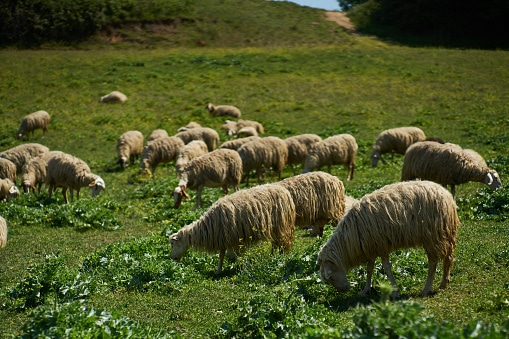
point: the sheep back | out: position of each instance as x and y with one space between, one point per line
299 146
7 169
188 152
67 171
114 97
206 134
223 110
156 134
33 121
21 154
236 143
129 147
161 150
34 172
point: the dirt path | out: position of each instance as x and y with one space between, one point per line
341 19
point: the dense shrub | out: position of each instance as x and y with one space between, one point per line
30 23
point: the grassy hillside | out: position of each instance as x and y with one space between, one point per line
112 252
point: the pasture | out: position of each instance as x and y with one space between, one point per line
111 253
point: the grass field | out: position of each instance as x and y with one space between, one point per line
112 252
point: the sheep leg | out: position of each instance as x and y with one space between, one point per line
388 270
64 193
221 259
453 190
351 168
432 267
259 175
448 263
198 197
367 287
225 189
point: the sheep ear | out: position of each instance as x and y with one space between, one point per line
490 178
13 190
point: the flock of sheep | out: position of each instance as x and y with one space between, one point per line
411 213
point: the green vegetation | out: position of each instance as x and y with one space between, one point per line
101 268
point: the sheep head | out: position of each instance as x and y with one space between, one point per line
178 194
178 247
27 185
334 275
493 180
210 107
97 186
13 193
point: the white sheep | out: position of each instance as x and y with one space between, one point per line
8 190
268 152
337 149
187 152
298 148
114 97
3 232
236 143
129 147
223 110
446 164
33 121
395 140
161 150
70 172
319 198
219 168
206 134
475 156
22 154
239 220
233 127
190 125
397 216
34 172
156 134
7 169
247 131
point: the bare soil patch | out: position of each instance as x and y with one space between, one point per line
341 19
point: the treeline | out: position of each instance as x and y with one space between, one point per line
32 22
445 20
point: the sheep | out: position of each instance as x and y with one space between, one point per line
187 152
206 134
190 125
223 110
160 150
3 232
247 131
33 121
232 127
34 172
8 190
7 169
337 149
395 140
114 97
70 172
236 221
298 148
446 164
475 156
156 134
397 216
218 168
319 198
314 231
236 143
21 154
129 147
263 152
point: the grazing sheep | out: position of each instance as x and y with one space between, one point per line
69 172
397 216
236 221
21 154
298 148
319 198
8 190
156 134
218 168
247 131
263 152
114 97
236 143
223 110
446 164
129 147
190 125
7 169
233 127
475 156
207 135
160 150
337 149
34 172
33 121
395 140
187 152
3 232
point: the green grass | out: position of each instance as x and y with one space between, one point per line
121 264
